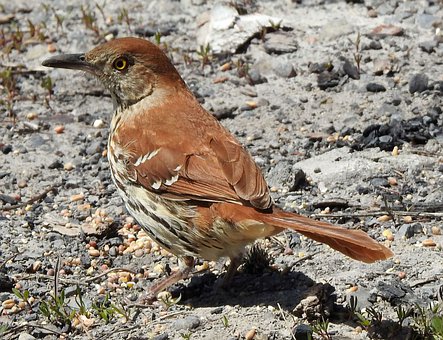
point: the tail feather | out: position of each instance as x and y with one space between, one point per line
353 243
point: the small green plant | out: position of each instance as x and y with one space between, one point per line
169 301
186 336
205 54
225 321
56 310
357 53
58 19
276 26
243 69
320 327
157 38
48 85
107 310
9 90
428 322
3 328
123 17
23 296
100 8
89 20
403 314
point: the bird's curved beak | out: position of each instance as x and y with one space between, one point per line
70 61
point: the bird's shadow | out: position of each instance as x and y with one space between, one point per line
270 288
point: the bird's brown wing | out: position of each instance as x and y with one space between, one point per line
204 163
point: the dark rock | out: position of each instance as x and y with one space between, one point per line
188 323
6 283
373 45
147 31
379 182
94 148
393 292
8 199
375 87
224 111
320 67
327 79
418 83
57 164
409 230
396 101
217 310
163 336
85 260
6 148
428 46
351 70
302 332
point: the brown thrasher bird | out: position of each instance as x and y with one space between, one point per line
184 178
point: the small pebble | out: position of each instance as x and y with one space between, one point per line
31 115
375 87
436 230
98 123
68 166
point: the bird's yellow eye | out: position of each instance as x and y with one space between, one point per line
120 64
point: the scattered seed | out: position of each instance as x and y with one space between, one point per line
250 334
36 266
395 151
388 234
225 67
401 275
94 252
352 289
429 243
52 48
392 181
31 115
384 218
59 129
77 197
68 166
8 303
407 219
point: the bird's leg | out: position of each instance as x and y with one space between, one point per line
186 266
232 270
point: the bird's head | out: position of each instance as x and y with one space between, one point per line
131 68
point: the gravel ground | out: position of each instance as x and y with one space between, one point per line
340 104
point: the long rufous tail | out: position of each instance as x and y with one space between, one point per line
353 243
